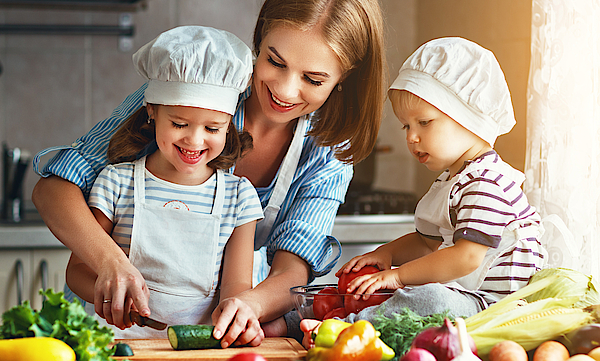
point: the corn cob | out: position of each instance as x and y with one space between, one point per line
531 330
508 303
528 324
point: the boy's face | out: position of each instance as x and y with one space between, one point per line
435 139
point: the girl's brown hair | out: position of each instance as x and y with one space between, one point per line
349 120
134 135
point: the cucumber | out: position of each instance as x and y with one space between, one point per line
192 337
122 349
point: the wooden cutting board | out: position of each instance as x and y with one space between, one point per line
272 348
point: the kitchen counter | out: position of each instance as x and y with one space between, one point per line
27 235
375 228
347 229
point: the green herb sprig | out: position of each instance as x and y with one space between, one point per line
399 330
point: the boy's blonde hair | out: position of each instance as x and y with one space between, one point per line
403 99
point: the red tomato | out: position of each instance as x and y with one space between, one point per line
346 278
326 300
247 356
352 305
336 312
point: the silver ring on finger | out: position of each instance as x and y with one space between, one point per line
107 301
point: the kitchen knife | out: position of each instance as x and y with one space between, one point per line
146 321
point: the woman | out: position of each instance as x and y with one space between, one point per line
319 72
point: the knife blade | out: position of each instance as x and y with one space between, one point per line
146 321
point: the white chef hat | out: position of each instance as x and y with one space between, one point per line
464 81
195 66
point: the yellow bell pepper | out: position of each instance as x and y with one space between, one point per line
35 348
359 341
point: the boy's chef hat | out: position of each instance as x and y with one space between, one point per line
195 66
463 80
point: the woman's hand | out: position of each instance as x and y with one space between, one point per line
124 288
237 315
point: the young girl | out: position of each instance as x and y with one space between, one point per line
477 236
183 222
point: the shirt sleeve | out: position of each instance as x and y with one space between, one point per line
483 206
248 207
82 161
304 224
105 192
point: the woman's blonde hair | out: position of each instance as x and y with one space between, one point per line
350 118
136 133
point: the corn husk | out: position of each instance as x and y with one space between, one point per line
528 323
570 283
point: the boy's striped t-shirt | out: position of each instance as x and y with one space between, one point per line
482 204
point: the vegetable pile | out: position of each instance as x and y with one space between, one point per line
556 317
62 320
560 304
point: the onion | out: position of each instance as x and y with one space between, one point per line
442 342
418 354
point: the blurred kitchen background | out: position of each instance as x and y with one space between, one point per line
67 64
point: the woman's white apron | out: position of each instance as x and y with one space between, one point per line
280 190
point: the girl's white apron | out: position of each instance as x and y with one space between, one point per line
432 216
176 253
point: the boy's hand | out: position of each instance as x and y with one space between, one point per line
387 280
308 326
381 260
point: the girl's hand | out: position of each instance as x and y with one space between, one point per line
240 318
123 287
308 326
381 260
388 280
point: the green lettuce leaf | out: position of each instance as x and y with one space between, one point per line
61 319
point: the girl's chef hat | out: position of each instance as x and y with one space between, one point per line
195 66
463 80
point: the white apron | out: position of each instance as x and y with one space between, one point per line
284 179
280 190
179 270
432 216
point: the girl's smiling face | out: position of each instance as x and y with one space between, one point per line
435 139
187 138
294 73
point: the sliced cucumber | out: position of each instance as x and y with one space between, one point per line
192 337
122 349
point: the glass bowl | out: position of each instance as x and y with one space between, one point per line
305 296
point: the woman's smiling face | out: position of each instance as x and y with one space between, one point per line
294 73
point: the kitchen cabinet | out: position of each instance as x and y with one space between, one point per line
24 272
30 259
